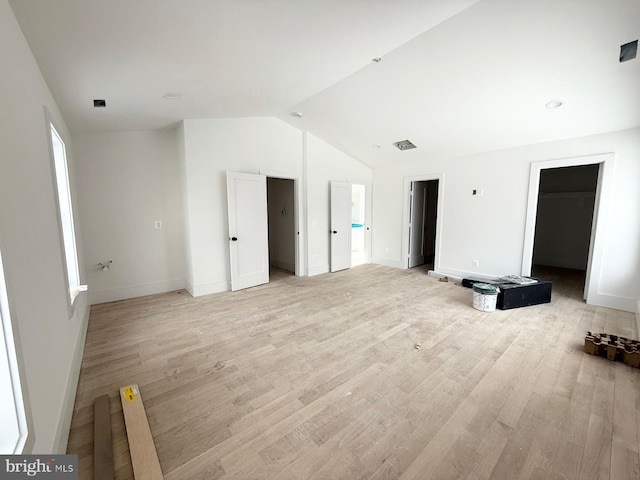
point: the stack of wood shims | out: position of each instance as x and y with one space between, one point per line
144 457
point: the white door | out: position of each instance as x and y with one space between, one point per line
416 223
340 226
248 229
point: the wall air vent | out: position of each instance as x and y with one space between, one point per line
404 145
98 103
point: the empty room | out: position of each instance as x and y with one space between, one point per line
236 239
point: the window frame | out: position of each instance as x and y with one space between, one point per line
13 409
68 239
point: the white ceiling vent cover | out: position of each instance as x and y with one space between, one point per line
404 145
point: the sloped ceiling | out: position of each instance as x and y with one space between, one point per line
455 77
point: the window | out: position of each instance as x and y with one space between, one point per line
65 211
13 433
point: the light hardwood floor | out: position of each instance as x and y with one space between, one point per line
319 378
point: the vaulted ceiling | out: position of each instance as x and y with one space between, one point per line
453 76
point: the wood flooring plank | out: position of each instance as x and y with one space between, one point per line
318 377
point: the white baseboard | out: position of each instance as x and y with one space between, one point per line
612 301
122 293
387 262
318 270
66 414
209 288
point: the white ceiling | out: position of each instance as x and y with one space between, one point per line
457 76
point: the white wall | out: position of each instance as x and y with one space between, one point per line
253 145
213 147
126 182
49 343
324 164
490 228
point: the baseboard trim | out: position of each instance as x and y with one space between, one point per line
209 288
387 262
66 414
123 293
614 302
318 270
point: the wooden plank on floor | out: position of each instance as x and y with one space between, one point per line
102 447
144 457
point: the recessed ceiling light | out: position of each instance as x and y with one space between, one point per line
171 96
297 114
377 59
553 104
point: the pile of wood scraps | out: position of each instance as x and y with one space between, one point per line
613 348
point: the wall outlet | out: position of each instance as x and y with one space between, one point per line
476 263
157 224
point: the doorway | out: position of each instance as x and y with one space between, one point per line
358 250
566 202
281 215
604 187
423 218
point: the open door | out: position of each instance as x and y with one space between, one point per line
416 223
248 229
340 226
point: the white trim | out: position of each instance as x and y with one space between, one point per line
10 372
134 291
598 236
51 129
318 270
209 288
66 414
404 249
612 301
388 262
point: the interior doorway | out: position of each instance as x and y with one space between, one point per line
423 217
597 235
358 225
566 202
282 232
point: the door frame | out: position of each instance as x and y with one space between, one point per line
299 214
598 230
334 185
406 205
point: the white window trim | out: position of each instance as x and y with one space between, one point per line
72 282
13 419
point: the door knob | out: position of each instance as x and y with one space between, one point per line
335 231
234 239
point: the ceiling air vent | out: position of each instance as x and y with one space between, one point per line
404 145
628 51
